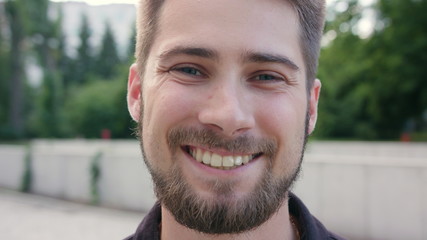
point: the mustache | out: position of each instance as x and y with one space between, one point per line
211 139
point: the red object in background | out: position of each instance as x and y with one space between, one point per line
106 133
405 137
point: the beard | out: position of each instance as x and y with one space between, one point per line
224 213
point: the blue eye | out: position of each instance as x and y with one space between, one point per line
267 77
188 70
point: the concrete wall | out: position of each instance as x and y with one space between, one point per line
367 190
125 181
12 166
359 190
63 169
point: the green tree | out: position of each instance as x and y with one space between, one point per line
341 69
63 61
16 17
48 44
89 110
47 120
132 45
108 57
4 75
398 66
84 61
42 32
373 87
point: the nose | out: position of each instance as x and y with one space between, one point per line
226 110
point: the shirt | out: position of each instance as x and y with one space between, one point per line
309 227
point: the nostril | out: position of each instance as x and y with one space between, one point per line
215 127
239 131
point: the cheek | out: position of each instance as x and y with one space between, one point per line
165 107
281 116
158 116
166 104
284 120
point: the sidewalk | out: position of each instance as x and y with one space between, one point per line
27 216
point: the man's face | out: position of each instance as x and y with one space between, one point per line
224 110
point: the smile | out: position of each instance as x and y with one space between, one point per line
220 162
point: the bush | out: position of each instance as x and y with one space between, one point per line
96 106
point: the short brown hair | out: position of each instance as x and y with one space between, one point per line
311 14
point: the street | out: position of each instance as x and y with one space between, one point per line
27 216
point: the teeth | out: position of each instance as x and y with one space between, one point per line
227 161
198 155
238 161
206 158
245 159
217 161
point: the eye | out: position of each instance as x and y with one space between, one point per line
268 77
187 70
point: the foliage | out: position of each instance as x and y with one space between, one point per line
27 176
95 174
84 61
18 26
4 74
96 106
108 58
47 115
34 30
372 88
398 55
132 45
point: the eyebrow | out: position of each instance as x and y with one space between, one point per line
270 58
249 56
190 51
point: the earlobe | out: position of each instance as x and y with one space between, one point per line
134 93
313 103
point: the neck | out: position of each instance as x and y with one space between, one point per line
279 226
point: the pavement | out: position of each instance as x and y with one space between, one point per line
28 216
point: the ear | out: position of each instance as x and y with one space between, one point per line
134 93
313 102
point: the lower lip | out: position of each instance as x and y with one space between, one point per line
216 171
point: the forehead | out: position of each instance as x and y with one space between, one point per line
230 26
